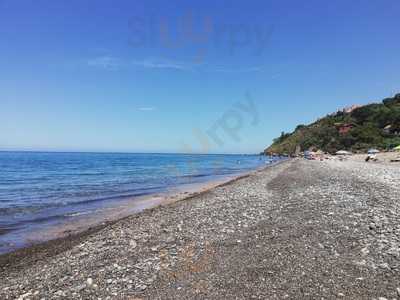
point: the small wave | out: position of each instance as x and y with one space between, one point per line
114 197
43 219
195 176
5 230
13 210
86 174
77 214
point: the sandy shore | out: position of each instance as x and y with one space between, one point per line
301 229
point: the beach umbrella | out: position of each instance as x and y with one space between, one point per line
373 151
397 148
343 152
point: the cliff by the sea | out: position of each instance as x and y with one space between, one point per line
356 128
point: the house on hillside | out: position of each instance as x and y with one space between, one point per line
344 128
390 129
350 109
387 129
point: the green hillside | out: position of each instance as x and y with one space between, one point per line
370 126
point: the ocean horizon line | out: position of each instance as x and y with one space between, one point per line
122 152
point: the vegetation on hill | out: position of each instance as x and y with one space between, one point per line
370 126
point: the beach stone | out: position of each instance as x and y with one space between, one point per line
89 281
24 296
60 293
133 244
141 287
80 287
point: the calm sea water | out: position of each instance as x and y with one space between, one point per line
39 189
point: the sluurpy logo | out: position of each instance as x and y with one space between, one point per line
228 127
201 36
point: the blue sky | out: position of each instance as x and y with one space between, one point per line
170 76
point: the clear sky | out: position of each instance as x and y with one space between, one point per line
181 76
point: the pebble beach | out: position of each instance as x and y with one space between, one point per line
297 230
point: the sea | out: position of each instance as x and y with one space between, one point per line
41 190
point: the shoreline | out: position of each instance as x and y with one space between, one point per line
298 230
69 233
67 193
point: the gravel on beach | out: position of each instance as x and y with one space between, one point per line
300 229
